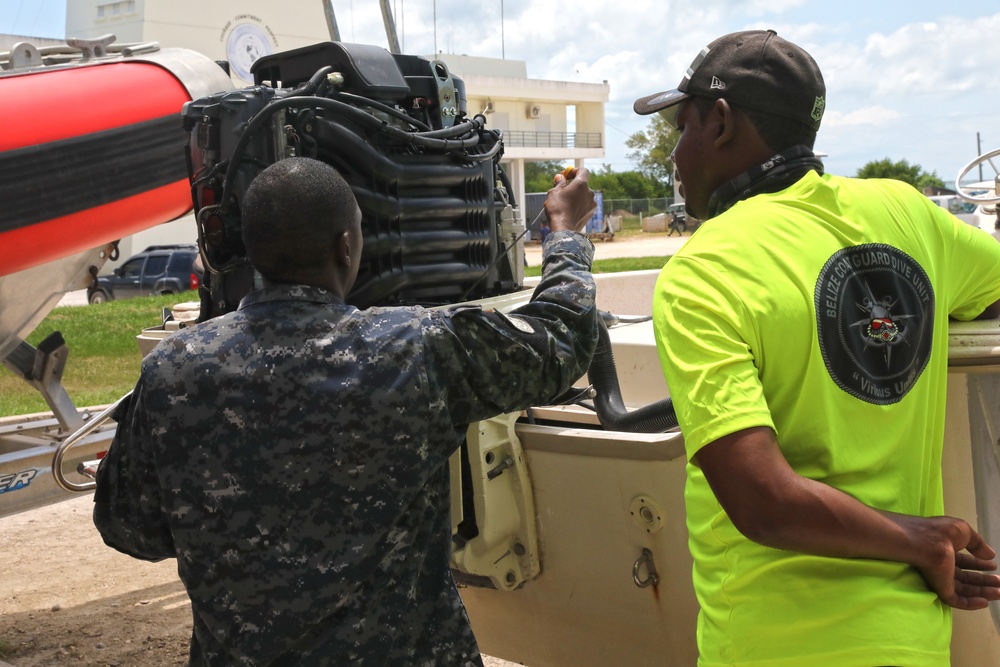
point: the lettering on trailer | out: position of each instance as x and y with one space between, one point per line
17 480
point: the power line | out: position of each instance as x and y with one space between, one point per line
34 23
17 16
627 134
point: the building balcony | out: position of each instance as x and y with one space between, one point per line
517 139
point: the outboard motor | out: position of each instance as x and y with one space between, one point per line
439 222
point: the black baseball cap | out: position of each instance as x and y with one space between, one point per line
755 69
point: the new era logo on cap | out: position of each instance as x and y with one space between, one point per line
717 84
818 108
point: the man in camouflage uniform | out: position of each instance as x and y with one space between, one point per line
292 455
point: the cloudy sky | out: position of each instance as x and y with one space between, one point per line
914 80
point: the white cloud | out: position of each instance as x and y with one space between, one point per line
767 7
948 56
861 118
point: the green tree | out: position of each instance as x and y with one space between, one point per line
638 185
614 185
608 182
901 171
651 150
626 184
538 175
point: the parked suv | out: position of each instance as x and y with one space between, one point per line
159 269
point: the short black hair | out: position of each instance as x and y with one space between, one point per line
777 132
292 214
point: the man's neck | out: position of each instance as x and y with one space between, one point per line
772 175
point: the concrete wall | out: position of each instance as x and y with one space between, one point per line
182 230
93 18
7 41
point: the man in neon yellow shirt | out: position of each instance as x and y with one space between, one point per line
803 329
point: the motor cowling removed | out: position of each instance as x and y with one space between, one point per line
438 218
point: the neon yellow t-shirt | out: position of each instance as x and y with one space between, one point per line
822 312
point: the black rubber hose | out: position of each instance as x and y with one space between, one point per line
351 98
254 124
653 418
467 126
310 86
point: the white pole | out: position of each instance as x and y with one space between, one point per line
331 20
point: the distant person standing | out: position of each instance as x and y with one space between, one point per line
675 224
544 231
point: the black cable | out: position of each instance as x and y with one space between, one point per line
343 108
385 108
310 86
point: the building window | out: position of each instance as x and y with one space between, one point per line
120 8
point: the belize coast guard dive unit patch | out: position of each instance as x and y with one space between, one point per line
875 319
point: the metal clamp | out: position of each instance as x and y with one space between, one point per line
645 559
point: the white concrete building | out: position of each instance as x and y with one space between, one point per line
541 120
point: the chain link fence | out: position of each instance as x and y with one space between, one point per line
637 206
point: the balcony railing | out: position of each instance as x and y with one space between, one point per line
552 139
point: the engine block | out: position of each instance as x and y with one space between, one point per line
438 218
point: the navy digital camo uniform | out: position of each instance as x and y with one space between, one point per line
293 457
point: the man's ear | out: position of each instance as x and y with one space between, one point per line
727 123
342 250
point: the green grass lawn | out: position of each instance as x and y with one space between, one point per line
104 358
614 265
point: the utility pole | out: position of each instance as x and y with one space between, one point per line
331 20
979 151
503 48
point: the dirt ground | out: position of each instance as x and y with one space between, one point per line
68 600
638 245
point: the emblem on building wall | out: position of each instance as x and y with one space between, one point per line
247 39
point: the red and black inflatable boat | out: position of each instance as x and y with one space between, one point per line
93 151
